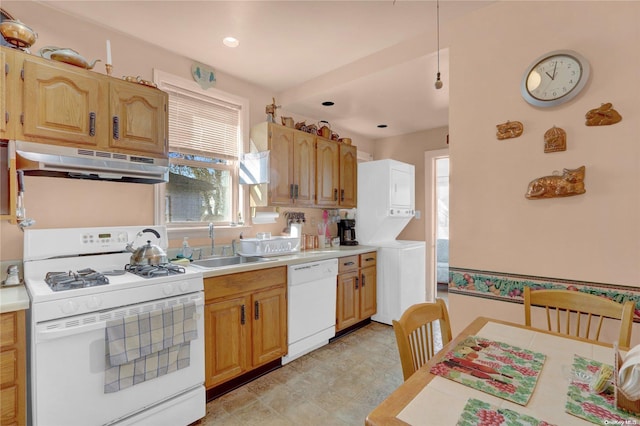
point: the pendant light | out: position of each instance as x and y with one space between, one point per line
438 83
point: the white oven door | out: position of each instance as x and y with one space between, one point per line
68 374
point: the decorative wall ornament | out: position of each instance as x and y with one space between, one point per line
570 182
603 116
510 129
555 139
270 110
203 74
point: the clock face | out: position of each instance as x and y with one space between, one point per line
554 78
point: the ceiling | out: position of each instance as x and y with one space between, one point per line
377 60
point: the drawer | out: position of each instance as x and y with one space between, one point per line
368 259
8 330
348 263
244 282
8 367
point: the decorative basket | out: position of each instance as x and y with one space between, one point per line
622 400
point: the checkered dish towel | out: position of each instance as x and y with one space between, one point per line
148 345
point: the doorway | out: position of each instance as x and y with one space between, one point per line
437 226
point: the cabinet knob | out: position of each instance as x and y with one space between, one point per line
257 310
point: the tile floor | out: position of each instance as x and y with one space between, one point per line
336 385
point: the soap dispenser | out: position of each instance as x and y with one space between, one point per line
187 251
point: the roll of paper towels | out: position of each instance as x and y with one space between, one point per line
265 217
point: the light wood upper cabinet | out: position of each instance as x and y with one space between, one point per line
62 106
292 165
348 176
138 118
304 168
327 172
280 145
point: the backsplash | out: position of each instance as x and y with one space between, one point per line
510 287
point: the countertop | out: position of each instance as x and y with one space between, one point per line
290 259
14 298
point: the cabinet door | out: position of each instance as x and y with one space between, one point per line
62 105
138 118
269 326
280 159
226 339
348 176
304 168
367 292
348 304
327 173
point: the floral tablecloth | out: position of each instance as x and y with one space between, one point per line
598 408
480 413
493 367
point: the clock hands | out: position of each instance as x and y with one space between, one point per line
554 71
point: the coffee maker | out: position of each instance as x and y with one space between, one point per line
347 232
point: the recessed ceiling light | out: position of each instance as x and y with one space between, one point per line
231 42
382 126
328 103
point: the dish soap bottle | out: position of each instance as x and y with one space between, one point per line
187 251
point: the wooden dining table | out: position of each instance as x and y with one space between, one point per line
428 399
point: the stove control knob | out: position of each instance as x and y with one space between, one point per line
168 289
94 302
184 287
69 307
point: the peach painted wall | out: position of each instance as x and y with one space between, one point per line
61 203
592 237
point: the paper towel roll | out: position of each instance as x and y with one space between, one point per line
265 217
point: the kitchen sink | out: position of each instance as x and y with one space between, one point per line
216 262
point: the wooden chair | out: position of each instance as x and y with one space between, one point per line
579 314
416 335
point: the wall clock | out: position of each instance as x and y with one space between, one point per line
554 78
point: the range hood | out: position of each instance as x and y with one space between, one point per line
38 159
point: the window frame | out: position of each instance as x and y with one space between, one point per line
180 229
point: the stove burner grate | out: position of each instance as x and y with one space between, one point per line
60 281
150 271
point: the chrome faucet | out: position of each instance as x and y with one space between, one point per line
212 235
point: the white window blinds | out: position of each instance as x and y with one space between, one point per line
202 124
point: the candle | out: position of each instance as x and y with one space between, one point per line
108 52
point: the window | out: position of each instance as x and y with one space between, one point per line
206 134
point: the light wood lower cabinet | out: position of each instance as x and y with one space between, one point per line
245 322
13 379
356 289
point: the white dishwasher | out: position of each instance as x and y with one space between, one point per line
311 306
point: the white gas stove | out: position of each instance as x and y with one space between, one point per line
80 279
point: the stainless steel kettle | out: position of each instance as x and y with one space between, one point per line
148 254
